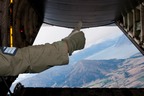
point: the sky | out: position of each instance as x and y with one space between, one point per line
50 34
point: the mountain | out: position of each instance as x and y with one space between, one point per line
130 74
89 70
123 40
123 48
83 72
95 73
91 64
92 50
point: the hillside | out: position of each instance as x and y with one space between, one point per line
95 73
96 64
89 70
128 75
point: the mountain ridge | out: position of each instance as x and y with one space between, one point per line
64 76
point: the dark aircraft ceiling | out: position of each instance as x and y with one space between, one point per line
92 13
